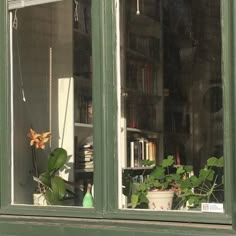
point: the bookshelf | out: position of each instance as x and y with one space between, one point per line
142 83
83 102
142 92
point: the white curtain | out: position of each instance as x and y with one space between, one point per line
14 4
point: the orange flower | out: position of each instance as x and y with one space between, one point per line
38 140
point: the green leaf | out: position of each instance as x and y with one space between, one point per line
180 170
169 161
58 187
188 168
57 159
147 162
143 198
221 162
158 172
193 200
134 200
195 181
206 174
45 179
213 161
52 198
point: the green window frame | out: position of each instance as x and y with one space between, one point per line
105 125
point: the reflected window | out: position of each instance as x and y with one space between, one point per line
171 105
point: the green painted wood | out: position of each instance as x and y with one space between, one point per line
111 105
228 102
98 123
98 68
105 130
4 109
226 22
232 71
59 226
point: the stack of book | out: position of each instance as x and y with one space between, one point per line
85 157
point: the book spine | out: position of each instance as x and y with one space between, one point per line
132 154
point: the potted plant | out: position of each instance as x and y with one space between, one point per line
159 188
189 189
51 188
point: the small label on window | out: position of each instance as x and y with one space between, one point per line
212 207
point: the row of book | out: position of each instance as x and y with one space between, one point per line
141 150
143 77
84 156
148 46
84 110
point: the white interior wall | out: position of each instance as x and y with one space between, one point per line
41 29
62 82
31 61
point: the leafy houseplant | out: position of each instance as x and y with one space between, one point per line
165 177
190 190
49 183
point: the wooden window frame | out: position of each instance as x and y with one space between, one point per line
105 128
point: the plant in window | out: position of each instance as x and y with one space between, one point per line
190 191
50 184
158 189
207 186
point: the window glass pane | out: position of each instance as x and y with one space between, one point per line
52 105
171 105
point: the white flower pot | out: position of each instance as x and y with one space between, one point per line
160 200
39 199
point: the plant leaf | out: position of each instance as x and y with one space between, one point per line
45 179
52 198
169 161
158 172
134 200
57 159
58 187
188 168
206 174
180 170
221 162
195 181
143 198
213 161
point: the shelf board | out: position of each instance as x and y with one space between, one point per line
84 125
88 170
135 130
138 168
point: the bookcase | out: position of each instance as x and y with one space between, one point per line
83 108
141 90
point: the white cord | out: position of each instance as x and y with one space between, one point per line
76 12
138 10
15 20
